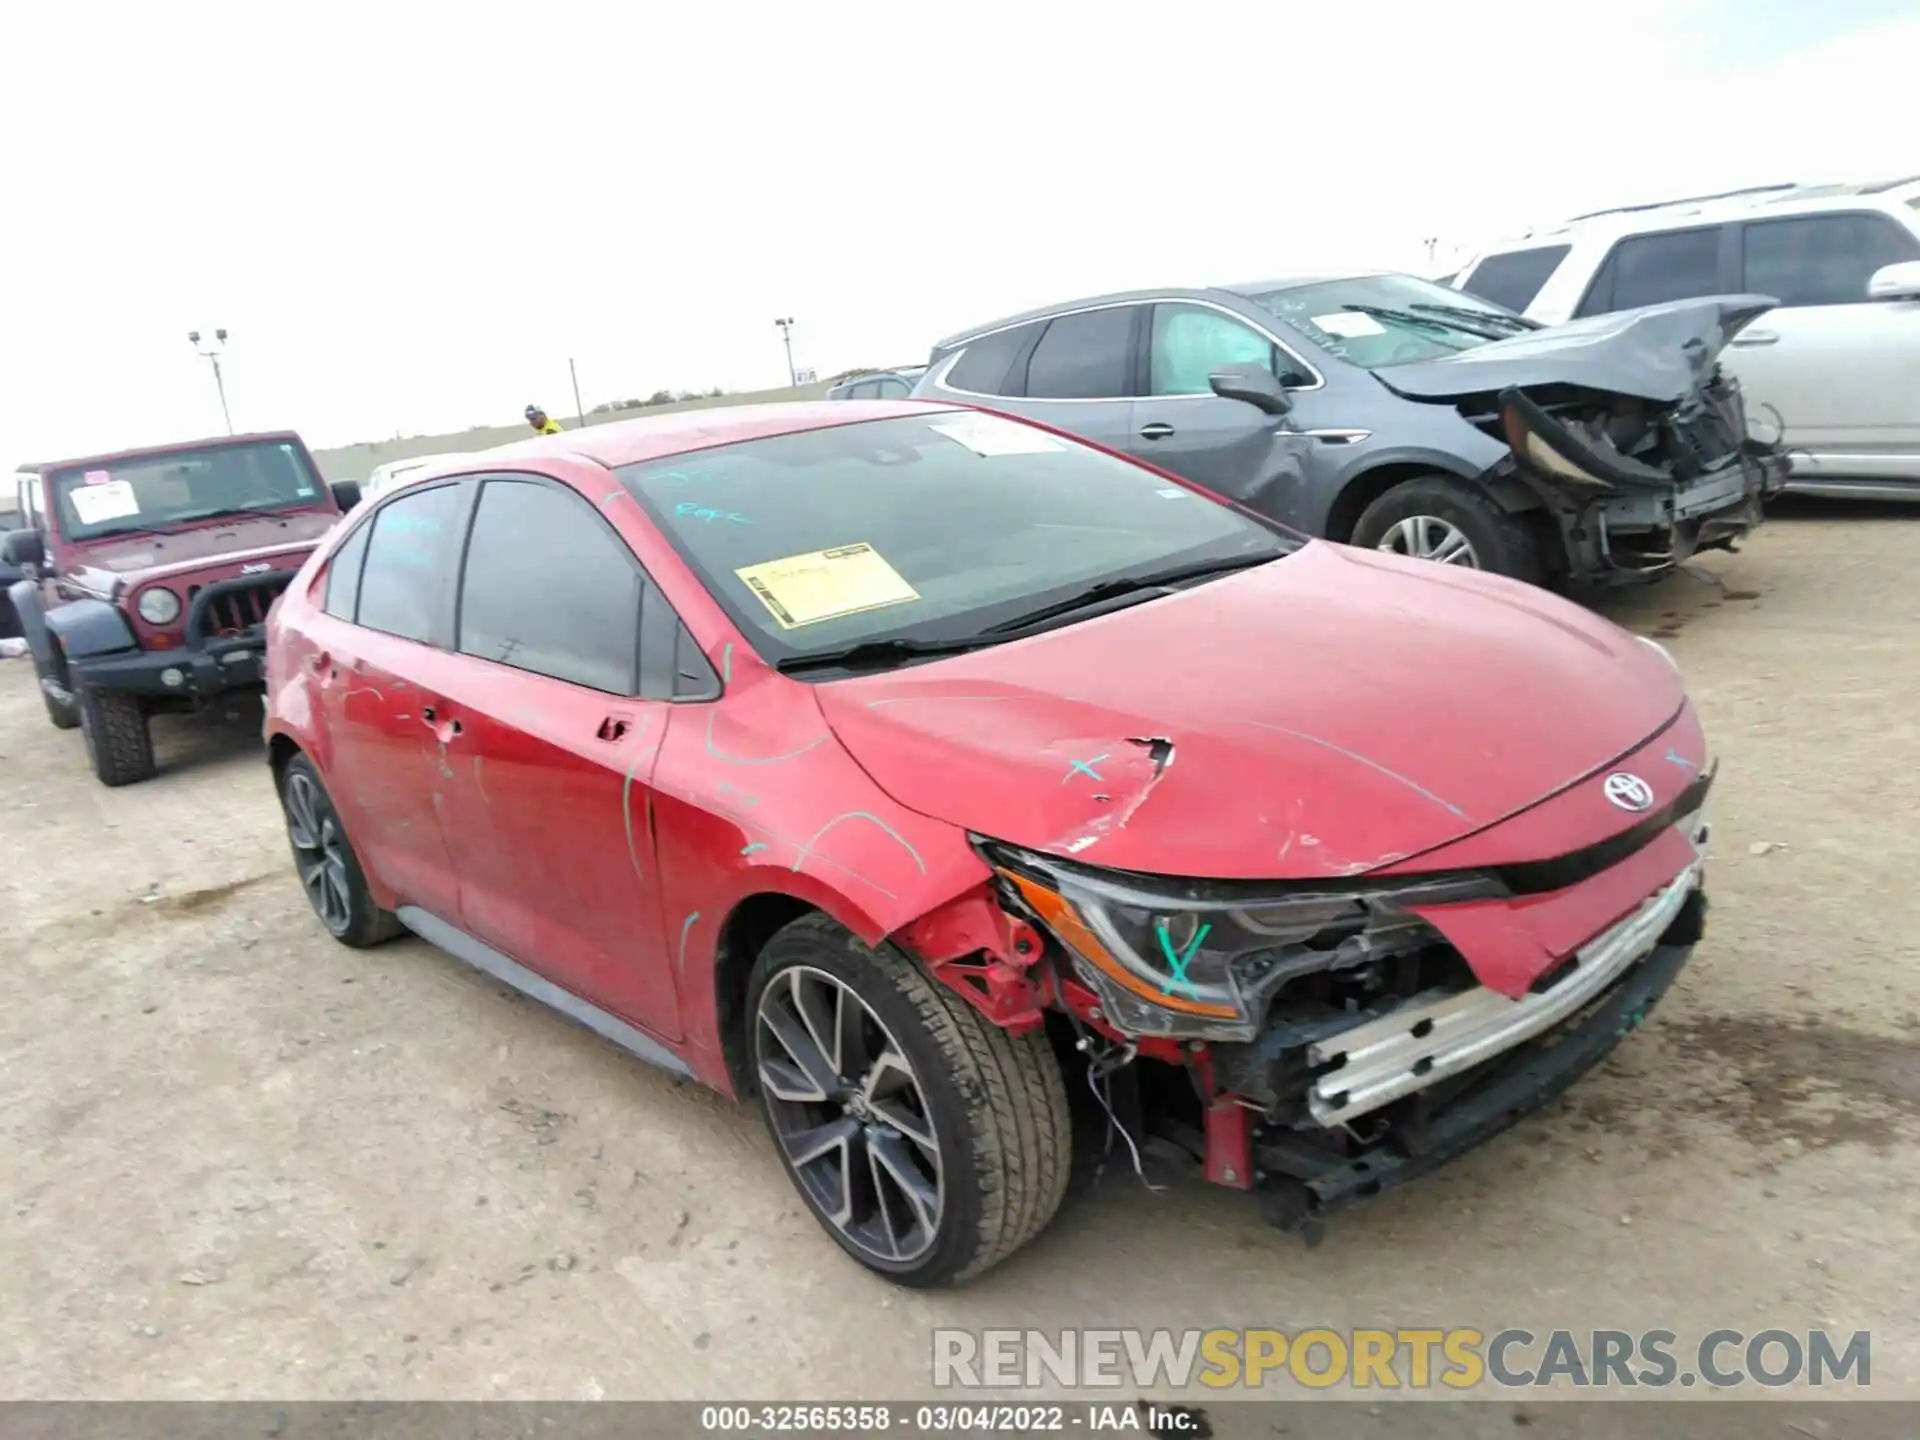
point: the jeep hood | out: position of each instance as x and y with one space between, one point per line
1332 712
135 559
1658 353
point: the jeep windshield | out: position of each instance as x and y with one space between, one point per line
1375 321
878 543
144 493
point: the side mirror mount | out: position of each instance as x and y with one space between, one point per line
23 548
1895 282
1254 384
346 494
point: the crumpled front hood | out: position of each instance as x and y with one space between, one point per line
133 559
1326 714
1659 353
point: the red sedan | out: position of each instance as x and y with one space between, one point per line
894 763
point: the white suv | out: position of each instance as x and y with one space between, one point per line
1833 372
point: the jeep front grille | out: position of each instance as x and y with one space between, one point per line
233 607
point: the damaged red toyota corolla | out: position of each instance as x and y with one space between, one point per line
893 763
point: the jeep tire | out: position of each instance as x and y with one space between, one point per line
1434 516
65 714
119 745
930 1143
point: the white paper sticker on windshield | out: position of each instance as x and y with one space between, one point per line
1173 492
991 435
1349 324
98 477
94 503
826 584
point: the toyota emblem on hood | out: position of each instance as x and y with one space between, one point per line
1629 792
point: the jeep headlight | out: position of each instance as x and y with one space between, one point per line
1199 958
158 605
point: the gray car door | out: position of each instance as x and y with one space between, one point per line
1228 446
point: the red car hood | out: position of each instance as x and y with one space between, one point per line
1332 712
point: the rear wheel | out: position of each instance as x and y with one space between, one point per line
930 1143
329 871
119 745
1452 522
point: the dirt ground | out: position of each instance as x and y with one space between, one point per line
238 1160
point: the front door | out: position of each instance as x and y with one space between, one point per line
548 755
388 596
1837 374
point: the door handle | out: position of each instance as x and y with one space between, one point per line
1158 430
1757 337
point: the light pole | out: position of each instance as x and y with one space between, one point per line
212 350
786 334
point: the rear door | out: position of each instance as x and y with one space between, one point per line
1840 371
1664 265
1080 374
549 749
388 606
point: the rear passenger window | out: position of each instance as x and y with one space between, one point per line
1820 259
1515 278
1650 269
403 580
550 588
1087 356
343 574
983 368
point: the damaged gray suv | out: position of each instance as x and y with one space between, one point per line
1393 413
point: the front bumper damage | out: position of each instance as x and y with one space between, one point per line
1635 489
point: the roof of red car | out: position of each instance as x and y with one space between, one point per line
653 437
140 452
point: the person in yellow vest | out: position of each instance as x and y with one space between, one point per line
537 418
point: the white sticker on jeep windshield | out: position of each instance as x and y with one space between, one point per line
990 435
95 503
1349 324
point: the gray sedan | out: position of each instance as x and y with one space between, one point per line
1391 412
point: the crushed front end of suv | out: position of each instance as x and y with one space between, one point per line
1389 412
147 576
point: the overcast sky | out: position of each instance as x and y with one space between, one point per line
409 215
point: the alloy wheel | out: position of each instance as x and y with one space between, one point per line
850 1115
319 852
1428 537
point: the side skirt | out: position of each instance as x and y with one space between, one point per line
462 946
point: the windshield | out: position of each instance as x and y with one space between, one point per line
927 528
1375 321
153 492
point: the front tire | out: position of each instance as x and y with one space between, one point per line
1452 522
329 871
64 714
119 744
928 1142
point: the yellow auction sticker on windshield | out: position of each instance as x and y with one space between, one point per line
826 584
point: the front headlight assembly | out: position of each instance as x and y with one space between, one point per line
1205 959
158 605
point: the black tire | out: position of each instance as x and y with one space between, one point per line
324 859
65 714
119 745
993 1104
1502 543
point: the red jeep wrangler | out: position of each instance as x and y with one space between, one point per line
146 578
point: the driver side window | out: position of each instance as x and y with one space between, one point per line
1190 342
